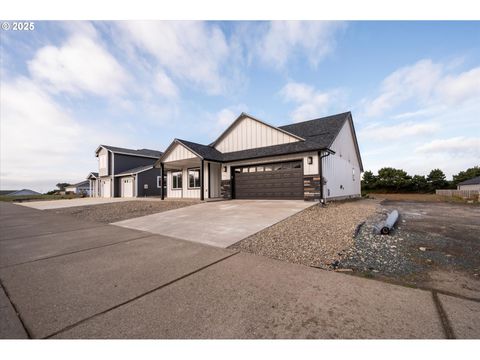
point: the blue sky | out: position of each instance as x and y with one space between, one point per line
66 87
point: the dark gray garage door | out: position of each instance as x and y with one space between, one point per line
269 181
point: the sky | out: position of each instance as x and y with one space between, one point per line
66 87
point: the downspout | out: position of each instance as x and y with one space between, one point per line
162 182
112 185
320 172
202 186
209 182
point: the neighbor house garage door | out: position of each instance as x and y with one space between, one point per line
126 187
269 181
105 188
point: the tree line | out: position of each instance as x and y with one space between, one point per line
389 179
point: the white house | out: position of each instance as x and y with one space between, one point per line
470 184
254 160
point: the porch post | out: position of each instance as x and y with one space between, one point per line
90 187
202 186
162 178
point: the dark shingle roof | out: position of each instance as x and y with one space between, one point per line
139 152
473 181
206 151
318 134
135 170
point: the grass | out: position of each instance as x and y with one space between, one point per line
420 197
22 198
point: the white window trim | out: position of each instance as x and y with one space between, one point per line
188 179
159 185
173 175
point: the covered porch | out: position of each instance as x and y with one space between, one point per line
189 175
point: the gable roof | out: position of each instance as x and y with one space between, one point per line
135 170
140 152
472 181
92 174
84 182
245 115
317 134
23 192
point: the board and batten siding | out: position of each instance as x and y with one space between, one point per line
342 169
179 152
185 192
249 133
103 170
214 180
308 169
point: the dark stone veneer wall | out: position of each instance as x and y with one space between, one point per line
226 189
311 187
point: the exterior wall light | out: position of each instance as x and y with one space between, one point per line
310 160
224 169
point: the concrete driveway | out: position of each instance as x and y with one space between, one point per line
58 204
90 280
220 223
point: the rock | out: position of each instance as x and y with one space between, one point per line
421 248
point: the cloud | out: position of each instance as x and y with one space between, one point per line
283 40
455 146
310 102
398 131
191 51
165 86
426 83
41 142
79 65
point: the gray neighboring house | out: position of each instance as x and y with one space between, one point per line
470 184
126 172
312 160
18 192
83 187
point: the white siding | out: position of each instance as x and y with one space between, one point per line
185 192
249 133
215 178
179 152
338 168
469 187
308 169
103 162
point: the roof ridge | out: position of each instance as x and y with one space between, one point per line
320 118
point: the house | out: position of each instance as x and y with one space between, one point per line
126 172
23 192
470 184
81 188
93 184
254 160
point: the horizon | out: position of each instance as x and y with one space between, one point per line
413 88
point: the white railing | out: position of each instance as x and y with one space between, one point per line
466 194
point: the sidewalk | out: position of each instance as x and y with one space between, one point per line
70 283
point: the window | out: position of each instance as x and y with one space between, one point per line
193 178
259 168
268 168
245 170
159 181
237 170
176 180
103 161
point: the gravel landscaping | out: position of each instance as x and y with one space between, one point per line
112 212
317 236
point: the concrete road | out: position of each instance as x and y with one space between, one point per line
138 285
221 223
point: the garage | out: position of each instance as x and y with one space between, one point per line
126 188
105 188
269 181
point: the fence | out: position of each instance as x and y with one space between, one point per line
466 194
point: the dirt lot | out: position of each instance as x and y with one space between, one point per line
313 237
435 245
419 197
108 213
